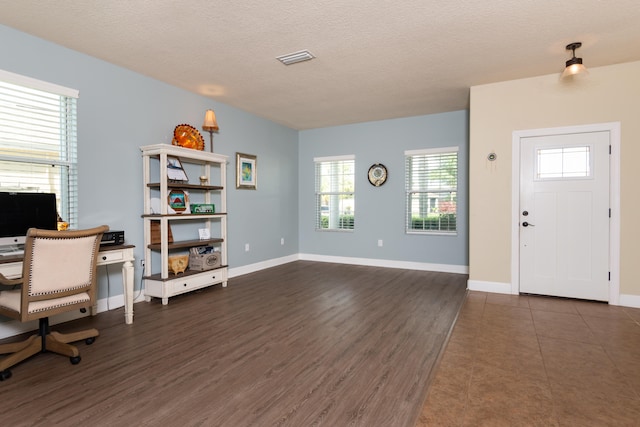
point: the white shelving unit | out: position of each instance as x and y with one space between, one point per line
159 282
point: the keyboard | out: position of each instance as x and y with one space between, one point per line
11 250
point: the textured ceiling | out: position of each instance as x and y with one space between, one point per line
374 59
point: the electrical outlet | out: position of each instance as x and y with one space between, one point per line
246 247
282 240
142 264
380 243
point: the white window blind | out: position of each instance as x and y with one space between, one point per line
335 193
38 139
431 178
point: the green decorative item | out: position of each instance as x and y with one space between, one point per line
203 208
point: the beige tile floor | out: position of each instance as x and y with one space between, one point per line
538 361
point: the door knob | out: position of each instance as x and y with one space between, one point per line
526 224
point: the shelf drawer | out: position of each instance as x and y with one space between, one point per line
190 283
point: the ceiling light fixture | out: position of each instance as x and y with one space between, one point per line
295 57
574 65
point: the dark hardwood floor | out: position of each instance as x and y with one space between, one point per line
301 344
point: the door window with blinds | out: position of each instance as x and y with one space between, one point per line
38 138
431 182
335 193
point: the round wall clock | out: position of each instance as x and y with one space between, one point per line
377 174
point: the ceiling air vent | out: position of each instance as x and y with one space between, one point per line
295 57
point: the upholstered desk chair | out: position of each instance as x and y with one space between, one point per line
58 275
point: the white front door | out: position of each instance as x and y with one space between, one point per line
564 215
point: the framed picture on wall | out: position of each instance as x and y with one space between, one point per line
246 171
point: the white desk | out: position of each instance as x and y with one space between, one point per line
11 267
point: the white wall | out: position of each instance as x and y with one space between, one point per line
607 94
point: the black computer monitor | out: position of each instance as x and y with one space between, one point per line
21 211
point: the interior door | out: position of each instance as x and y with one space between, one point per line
564 215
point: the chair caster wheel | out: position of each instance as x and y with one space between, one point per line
5 375
90 340
75 360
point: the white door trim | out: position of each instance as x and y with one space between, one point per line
614 195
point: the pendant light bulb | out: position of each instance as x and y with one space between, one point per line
574 65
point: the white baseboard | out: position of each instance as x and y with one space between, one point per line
15 327
505 288
443 268
493 287
252 268
630 300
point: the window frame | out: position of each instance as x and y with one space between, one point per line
67 195
337 213
562 156
424 188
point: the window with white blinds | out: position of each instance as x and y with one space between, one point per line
431 179
38 139
335 193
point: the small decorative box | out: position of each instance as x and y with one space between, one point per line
204 262
203 208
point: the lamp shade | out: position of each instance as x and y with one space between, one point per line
210 123
574 65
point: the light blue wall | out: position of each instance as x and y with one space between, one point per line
119 111
380 211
